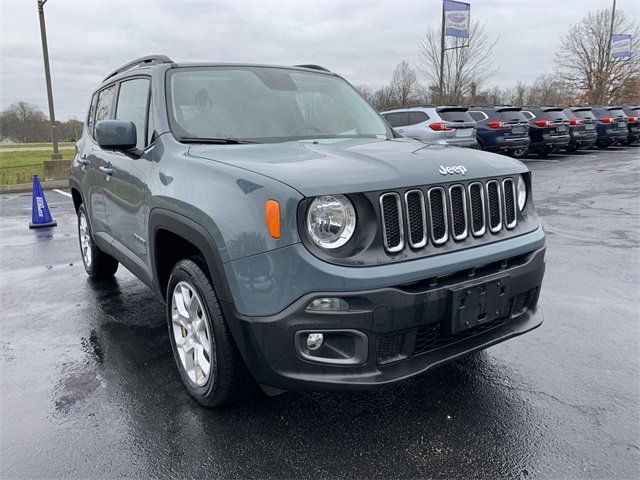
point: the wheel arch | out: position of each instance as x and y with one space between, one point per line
172 235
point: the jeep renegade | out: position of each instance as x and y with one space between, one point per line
293 234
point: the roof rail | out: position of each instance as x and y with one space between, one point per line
314 67
148 60
424 105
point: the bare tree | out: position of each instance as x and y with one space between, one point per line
584 62
404 83
547 90
366 92
464 68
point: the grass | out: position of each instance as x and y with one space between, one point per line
19 167
30 145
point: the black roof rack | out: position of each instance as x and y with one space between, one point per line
314 67
425 105
148 60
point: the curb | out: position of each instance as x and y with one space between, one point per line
27 187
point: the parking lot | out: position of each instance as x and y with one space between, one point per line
90 389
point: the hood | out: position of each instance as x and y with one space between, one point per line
359 165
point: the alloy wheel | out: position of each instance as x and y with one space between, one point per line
85 240
191 333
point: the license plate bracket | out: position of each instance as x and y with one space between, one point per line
479 302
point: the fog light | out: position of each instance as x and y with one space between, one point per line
328 305
314 341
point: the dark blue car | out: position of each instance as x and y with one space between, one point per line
612 125
501 129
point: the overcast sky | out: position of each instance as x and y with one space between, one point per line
362 40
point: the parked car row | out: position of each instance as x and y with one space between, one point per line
517 131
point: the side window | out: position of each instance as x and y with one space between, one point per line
151 128
92 112
399 119
417 117
132 105
478 116
528 114
104 105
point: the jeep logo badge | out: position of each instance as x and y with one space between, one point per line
452 170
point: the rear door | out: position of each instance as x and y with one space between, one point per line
94 163
516 122
558 119
126 191
586 116
417 125
459 120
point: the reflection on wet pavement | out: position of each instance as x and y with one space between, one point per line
90 389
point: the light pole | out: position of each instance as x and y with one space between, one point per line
47 74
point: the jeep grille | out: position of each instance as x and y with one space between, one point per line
443 214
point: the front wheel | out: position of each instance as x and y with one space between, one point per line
203 348
97 264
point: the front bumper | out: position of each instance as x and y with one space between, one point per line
406 327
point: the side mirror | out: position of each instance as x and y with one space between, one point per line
116 135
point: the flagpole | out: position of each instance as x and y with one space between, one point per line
441 99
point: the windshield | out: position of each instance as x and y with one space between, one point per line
266 104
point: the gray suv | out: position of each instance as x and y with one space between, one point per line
292 235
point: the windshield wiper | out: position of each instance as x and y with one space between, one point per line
220 141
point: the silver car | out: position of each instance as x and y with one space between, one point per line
431 124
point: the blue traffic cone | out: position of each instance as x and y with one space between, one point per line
40 214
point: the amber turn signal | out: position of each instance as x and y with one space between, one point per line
272 212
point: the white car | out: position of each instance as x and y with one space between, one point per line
431 124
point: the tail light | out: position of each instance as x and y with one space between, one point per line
543 123
440 126
606 119
575 121
496 124
632 119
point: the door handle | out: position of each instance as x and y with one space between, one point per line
107 170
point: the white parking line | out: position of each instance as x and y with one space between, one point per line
61 192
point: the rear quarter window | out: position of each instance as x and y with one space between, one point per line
398 119
417 117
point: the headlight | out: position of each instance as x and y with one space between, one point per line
522 193
331 220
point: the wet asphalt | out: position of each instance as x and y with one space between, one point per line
89 388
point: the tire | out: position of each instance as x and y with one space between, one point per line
97 264
204 323
519 153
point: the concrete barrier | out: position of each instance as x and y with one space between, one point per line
56 169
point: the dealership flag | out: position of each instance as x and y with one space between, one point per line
456 19
621 46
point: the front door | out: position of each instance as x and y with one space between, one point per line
126 193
